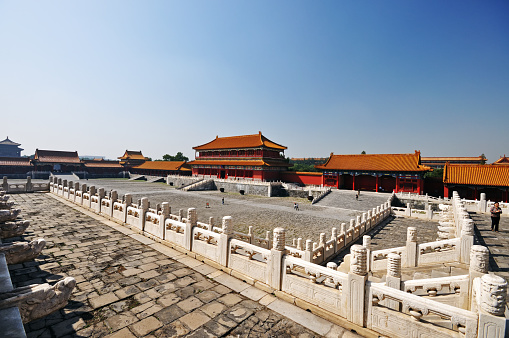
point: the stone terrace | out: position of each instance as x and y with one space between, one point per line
130 286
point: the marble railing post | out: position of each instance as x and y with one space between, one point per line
308 254
143 206
190 223
478 267
181 215
28 186
467 240
4 183
411 247
101 194
393 278
211 223
334 237
276 258
366 242
224 240
92 190
493 294
408 210
353 301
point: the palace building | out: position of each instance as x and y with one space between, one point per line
57 161
247 156
9 148
439 162
375 172
162 168
503 160
132 158
472 180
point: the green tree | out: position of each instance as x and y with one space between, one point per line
363 152
179 157
483 159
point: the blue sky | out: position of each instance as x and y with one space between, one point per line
319 77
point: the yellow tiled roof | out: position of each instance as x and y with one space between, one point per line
244 141
163 165
486 175
375 162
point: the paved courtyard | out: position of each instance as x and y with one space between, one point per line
130 286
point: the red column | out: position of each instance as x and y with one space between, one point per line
397 184
353 182
446 191
337 180
376 189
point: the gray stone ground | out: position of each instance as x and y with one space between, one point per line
497 242
128 289
264 214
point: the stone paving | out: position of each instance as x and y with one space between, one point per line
130 286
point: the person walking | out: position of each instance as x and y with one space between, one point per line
297 206
222 201
495 217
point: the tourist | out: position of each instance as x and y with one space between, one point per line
495 217
222 201
297 206
357 195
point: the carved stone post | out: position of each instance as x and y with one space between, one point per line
322 239
276 258
356 284
368 220
224 240
467 240
211 223
411 247
92 190
366 242
114 197
4 183
334 237
76 186
29 184
308 254
393 278
191 222
299 243
493 293
181 215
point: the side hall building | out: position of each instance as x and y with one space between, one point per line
247 156
472 180
375 172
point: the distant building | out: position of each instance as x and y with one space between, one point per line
162 168
15 165
439 162
502 161
246 156
132 158
9 148
472 180
57 161
375 172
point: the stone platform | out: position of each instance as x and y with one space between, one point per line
131 286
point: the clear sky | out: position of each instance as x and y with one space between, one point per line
100 77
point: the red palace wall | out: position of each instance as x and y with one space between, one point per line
302 177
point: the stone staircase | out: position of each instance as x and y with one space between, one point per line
136 177
152 179
200 185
